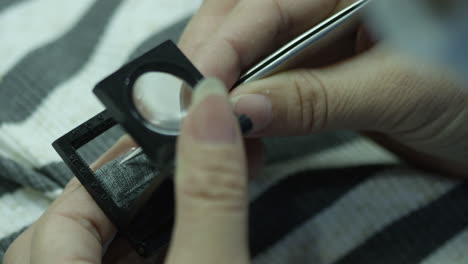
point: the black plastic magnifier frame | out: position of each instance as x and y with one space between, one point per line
147 222
116 93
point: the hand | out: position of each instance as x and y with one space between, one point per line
411 107
211 199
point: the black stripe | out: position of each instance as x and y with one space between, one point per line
289 148
12 171
296 199
414 237
25 86
58 172
172 32
8 3
7 186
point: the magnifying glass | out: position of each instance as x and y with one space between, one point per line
150 96
162 99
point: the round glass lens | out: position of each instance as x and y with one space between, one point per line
161 99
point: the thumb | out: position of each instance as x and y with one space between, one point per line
378 90
211 183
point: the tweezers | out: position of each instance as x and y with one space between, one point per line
288 52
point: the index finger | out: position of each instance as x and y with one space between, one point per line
255 28
205 21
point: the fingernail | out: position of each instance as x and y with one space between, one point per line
257 107
245 124
211 117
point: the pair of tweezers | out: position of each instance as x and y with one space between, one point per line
286 53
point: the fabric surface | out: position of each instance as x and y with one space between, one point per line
124 183
331 198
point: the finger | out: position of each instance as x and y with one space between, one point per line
19 251
377 91
73 229
202 25
211 183
123 145
247 34
74 218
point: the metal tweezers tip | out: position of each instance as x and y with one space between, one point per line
131 154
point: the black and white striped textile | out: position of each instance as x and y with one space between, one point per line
323 199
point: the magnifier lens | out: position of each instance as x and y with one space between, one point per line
162 99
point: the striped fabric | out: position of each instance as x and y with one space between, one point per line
323 199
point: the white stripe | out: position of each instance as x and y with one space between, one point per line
360 151
19 209
52 195
453 252
73 102
30 24
355 217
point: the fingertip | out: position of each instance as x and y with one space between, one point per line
257 107
210 181
210 119
206 87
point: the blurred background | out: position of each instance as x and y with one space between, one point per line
430 30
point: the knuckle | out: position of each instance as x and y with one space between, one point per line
405 93
311 104
275 16
420 97
72 186
220 180
87 224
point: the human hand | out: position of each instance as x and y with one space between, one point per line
414 108
211 199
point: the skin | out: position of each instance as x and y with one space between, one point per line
211 201
415 109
